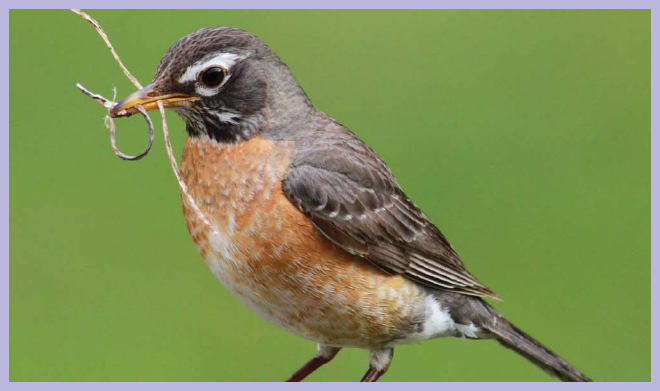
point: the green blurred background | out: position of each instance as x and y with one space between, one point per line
525 135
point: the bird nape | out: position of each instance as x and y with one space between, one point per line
303 222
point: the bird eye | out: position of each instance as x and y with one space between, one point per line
212 77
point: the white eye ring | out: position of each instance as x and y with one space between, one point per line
223 60
209 77
205 90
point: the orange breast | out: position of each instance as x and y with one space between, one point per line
273 259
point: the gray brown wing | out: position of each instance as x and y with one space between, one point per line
352 197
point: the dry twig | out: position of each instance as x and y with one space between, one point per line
110 123
99 29
110 104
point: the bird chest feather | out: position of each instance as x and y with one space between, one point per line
272 258
236 187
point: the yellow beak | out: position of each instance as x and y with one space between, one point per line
148 98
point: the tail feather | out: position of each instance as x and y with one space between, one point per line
517 340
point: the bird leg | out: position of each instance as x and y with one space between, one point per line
323 356
379 363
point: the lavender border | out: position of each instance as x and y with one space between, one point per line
292 4
346 4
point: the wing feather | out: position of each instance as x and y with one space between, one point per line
352 197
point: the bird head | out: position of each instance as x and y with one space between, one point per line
225 83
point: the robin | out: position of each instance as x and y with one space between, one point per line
303 222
